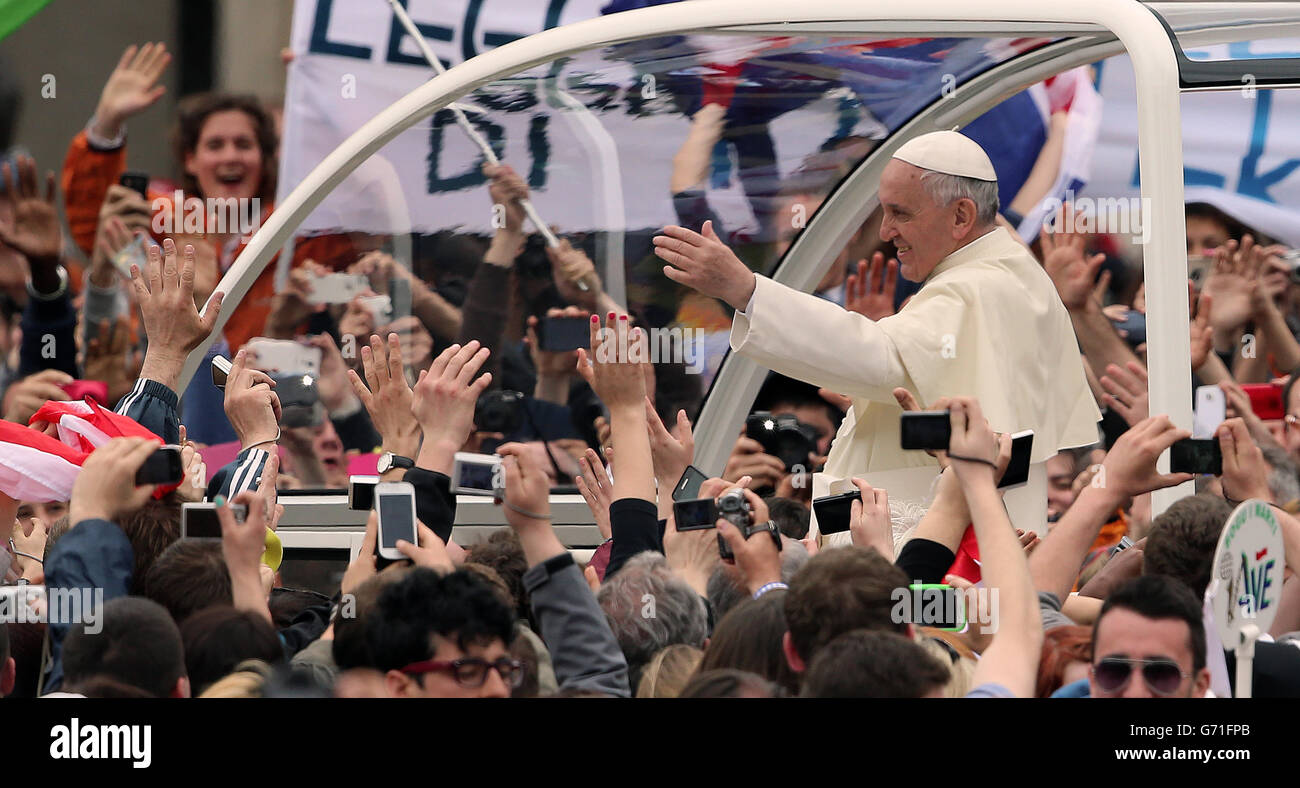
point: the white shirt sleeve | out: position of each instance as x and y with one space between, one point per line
814 340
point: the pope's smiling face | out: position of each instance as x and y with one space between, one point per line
923 231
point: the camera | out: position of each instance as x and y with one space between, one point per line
783 437
733 507
499 411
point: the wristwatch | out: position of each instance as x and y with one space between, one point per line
389 461
768 526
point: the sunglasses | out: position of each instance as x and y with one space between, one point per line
1163 676
471 672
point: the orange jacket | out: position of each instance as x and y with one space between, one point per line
87 176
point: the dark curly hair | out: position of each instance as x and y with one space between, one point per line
194 112
458 606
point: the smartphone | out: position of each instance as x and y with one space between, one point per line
80 389
136 252
399 296
696 514
161 467
381 309
1196 455
1017 472
336 288
936 605
1266 400
395 502
1133 326
283 355
361 492
688 487
137 182
561 334
1209 412
200 521
926 429
835 512
220 371
477 474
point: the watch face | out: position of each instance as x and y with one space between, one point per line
385 463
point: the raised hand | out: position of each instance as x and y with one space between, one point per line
1201 329
1130 467
131 88
1232 283
597 490
443 403
748 459
251 405
572 270
1072 271
388 399
701 261
1245 473
670 455
172 323
105 487
507 188
613 366
973 448
335 387
1126 391
552 364
31 222
872 296
26 396
869 523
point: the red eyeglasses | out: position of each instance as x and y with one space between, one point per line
471 672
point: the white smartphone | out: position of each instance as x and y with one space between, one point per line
477 474
381 309
336 288
1211 409
395 502
283 355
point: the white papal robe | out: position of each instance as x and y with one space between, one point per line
986 323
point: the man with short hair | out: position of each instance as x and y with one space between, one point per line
1150 626
139 645
987 322
442 636
866 664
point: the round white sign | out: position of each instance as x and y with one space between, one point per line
1246 579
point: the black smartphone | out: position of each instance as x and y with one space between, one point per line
200 521
1017 473
137 182
361 492
688 486
835 512
696 514
562 334
161 467
926 429
1196 455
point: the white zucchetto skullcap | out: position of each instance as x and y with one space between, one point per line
948 152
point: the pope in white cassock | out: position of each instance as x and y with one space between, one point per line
987 322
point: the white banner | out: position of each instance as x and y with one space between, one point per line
1241 149
352 59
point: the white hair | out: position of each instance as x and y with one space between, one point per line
944 189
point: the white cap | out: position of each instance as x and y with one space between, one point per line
948 152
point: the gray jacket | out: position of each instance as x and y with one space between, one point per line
583 649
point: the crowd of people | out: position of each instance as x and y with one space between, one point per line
1068 609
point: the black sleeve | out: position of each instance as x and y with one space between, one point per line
634 523
924 561
49 336
305 629
435 504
